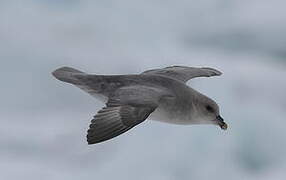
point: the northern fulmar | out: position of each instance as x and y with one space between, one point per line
161 94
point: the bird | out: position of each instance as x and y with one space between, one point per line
157 94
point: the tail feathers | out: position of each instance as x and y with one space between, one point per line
67 74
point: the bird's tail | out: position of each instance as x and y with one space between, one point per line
92 84
67 74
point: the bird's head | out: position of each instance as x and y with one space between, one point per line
207 112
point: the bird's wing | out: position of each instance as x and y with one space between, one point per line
184 73
126 108
113 121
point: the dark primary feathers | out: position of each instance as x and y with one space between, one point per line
113 121
125 108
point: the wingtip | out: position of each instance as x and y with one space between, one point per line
65 69
65 74
214 71
90 143
93 141
218 73
58 72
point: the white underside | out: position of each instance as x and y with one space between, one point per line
163 116
159 114
174 116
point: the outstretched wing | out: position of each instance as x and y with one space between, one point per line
126 108
113 121
184 73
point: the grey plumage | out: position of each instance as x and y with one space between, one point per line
112 121
130 99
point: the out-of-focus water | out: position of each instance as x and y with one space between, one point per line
44 122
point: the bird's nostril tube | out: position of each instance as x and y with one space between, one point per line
219 118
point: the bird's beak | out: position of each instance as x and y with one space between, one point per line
221 123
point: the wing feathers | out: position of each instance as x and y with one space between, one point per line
113 121
184 73
67 74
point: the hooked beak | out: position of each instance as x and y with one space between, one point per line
221 123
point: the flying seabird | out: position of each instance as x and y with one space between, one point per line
161 94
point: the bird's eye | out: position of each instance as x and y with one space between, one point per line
209 108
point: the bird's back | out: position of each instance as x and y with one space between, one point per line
104 86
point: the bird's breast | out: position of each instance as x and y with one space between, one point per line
171 115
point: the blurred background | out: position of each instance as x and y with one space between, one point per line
44 121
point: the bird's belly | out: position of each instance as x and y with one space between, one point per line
173 117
